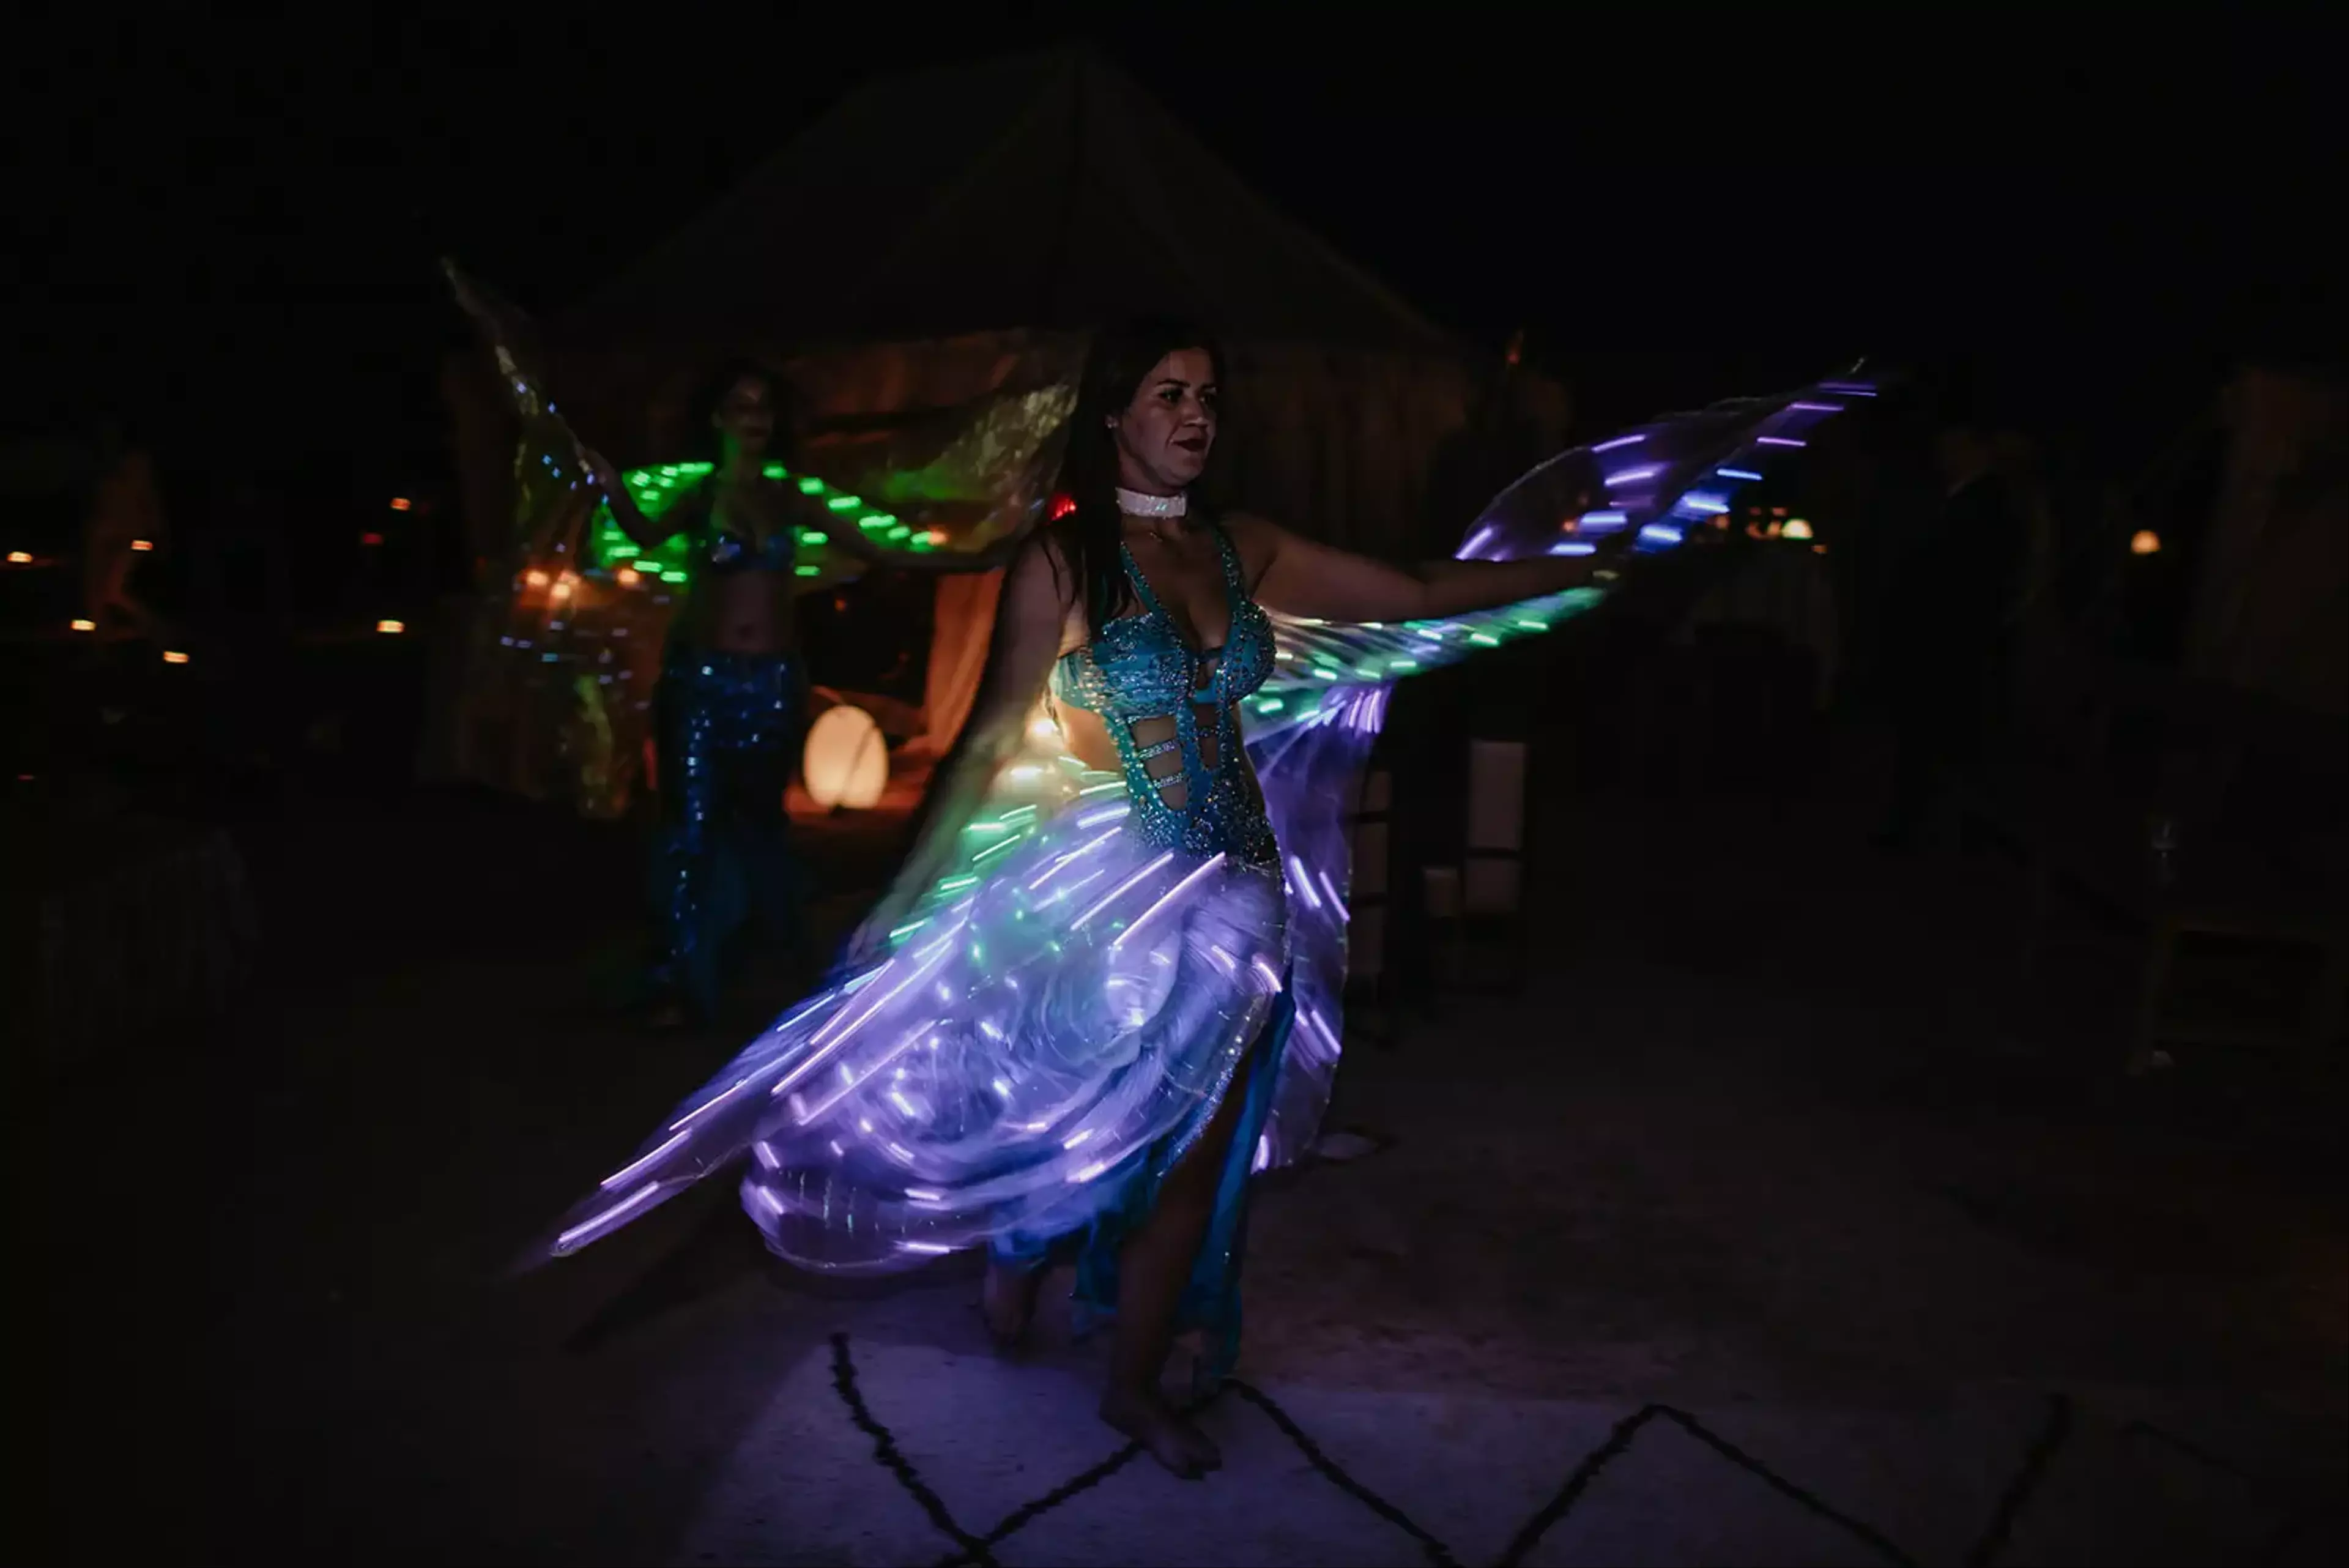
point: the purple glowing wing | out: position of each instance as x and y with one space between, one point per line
1310 728
1068 998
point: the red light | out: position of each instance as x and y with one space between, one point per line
401 504
370 539
1063 505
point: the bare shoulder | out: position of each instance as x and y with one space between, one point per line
1041 564
1258 539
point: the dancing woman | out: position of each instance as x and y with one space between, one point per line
734 686
1077 1038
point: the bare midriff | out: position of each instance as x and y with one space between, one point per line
753 612
750 610
1089 742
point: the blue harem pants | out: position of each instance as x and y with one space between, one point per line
728 731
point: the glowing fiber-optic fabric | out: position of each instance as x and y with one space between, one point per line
1051 1038
1056 1022
1311 727
1087 999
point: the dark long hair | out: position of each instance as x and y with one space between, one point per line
1089 536
710 445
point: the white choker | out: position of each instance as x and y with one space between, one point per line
1133 503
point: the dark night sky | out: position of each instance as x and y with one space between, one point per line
245 218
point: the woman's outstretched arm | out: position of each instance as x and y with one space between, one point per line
1299 577
849 540
648 534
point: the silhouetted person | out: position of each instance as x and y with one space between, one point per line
125 523
1949 640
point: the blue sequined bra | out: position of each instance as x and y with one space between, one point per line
728 552
725 552
1141 669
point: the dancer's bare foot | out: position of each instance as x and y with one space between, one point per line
1008 1301
1173 1442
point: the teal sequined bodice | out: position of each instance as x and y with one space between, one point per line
1141 669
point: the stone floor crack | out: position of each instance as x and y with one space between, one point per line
1437 1552
893 1459
2036 1457
1577 1481
1808 1500
2015 1497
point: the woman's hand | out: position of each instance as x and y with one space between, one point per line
648 534
601 472
1607 555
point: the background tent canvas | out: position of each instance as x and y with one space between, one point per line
925 260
